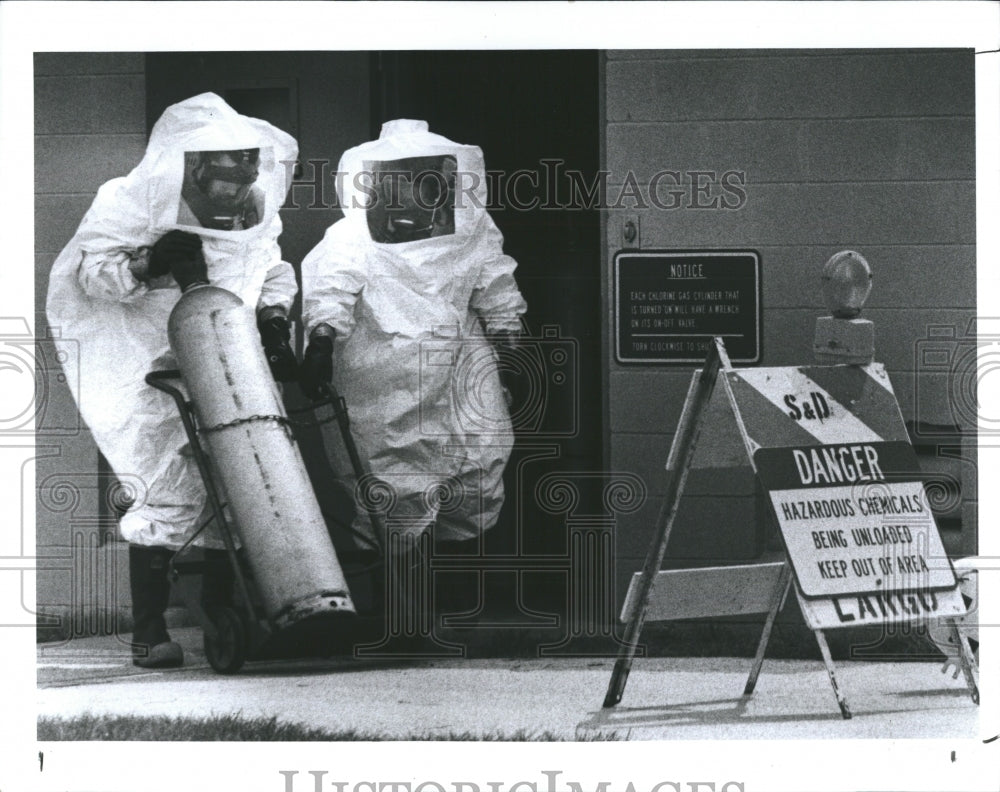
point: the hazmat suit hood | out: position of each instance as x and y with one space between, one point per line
407 148
414 286
205 123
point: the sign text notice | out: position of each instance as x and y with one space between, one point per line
670 304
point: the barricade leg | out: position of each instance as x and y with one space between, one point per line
828 662
678 464
966 660
780 592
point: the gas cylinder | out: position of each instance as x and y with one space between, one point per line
255 459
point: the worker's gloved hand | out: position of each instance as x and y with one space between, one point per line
316 371
189 272
276 337
173 246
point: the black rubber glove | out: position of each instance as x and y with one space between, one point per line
172 246
188 272
316 370
276 337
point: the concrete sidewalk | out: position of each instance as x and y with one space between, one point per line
666 698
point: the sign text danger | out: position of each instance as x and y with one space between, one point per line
838 464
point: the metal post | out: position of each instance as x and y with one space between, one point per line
361 471
966 659
828 662
678 464
780 593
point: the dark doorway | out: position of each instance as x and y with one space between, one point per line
535 115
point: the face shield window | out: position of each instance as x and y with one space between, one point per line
411 199
220 190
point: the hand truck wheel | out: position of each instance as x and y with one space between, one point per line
227 652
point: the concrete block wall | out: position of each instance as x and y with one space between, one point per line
90 126
873 151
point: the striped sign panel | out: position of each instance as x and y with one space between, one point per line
817 405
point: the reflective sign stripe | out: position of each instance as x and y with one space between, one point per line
817 405
766 425
867 392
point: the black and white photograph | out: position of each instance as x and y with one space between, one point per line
500 396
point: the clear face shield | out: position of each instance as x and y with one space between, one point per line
412 199
220 189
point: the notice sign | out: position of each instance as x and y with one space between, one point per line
670 304
856 521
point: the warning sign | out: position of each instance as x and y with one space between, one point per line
669 304
829 446
855 520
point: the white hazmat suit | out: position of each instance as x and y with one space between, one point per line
99 297
411 359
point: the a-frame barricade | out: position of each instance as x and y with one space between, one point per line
830 449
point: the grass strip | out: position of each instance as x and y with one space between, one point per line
238 728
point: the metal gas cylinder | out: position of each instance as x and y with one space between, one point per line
255 458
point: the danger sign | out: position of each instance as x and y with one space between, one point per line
829 446
855 521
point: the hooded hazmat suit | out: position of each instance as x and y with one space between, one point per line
100 297
411 358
